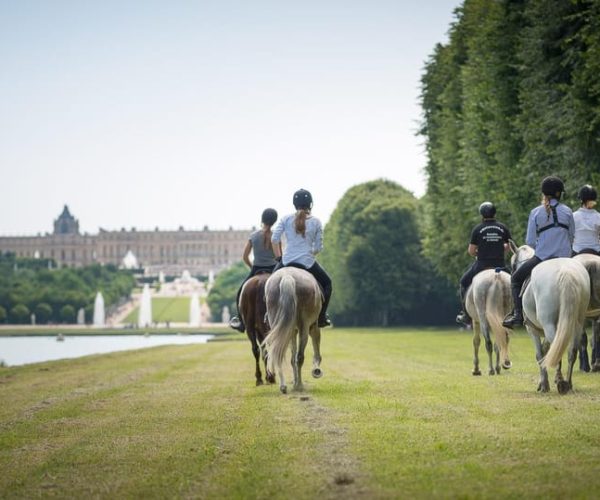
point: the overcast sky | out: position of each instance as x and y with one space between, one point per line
194 113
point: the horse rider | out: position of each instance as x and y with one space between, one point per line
304 240
489 242
587 223
550 231
259 243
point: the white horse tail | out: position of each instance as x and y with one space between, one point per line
567 327
283 325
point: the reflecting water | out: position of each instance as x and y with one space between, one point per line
23 350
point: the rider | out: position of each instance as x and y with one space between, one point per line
489 241
260 244
587 223
304 239
550 232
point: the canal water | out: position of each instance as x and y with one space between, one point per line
33 349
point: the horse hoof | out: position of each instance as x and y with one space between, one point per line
595 368
259 382
507 365
476 372
563 387
271 379
317 373
543 388
283 389
497 370
492 372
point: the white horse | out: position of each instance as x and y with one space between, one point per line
592 264
294 301
488 300
554 307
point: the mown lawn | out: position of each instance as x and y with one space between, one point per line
396 415
173 309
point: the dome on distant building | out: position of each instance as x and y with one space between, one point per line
130 261
66 223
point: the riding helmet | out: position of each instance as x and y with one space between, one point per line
553 186
269 216
587 193
487 210
302 199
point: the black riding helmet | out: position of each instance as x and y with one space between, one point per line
587 193
269 216
553 186
487 210
302 199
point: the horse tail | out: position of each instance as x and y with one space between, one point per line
568 325
283 324
495 303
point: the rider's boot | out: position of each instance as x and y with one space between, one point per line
515 318
463 317
324 320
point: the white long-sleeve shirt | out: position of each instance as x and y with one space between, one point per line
299 249
587 229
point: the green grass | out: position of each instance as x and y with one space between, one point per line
396 415
175 309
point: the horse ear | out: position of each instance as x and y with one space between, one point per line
513 246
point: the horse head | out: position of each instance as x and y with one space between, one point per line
520 254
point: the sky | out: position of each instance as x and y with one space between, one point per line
202 113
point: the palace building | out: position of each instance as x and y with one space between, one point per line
172 252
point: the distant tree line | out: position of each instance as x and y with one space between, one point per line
55 295
513 96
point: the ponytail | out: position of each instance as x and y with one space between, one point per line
300 221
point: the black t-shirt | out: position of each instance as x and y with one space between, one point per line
490 236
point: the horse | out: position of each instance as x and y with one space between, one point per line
294 300
253 310
592 263
488 300
554 307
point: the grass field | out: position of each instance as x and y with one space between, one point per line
396 415
174 309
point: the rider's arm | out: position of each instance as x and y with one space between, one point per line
246 255
472 250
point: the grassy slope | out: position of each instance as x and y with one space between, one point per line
175 309
396 414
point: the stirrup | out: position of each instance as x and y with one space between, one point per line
463 318
236 324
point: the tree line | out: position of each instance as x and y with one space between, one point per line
512 97
36 286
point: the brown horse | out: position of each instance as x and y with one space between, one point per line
253 310
294 301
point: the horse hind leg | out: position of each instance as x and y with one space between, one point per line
303 340
485 330
257 356
476 344
315 335
584 360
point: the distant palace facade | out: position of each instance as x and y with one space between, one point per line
172 252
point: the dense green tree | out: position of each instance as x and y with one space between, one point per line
20 314
67 313
43 313
513 97
224 290
373 253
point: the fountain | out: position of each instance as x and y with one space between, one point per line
195 310
99 310
81 316
225 316
205 315
145 314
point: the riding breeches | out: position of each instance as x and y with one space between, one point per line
520 275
